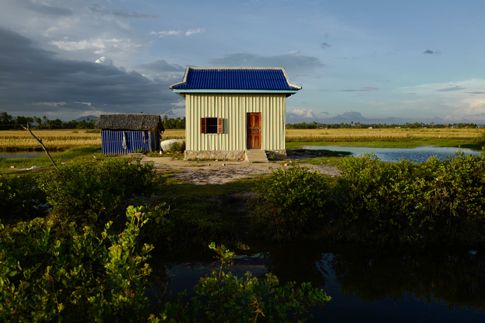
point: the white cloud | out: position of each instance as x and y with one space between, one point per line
177 32
302 113
455 101
104 60
191 32
97 45
166 33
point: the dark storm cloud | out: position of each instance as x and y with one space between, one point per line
118 13
451 88
35 80
295 64
46 9
362 89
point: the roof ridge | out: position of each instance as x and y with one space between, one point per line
236 67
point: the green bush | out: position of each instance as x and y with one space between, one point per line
291 202
87 191
374 201
225 297
49 272
20 198
434 200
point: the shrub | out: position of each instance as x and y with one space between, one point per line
20 198
407 201
54 273
291 202
87 191
225 297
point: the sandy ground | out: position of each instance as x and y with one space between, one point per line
220 172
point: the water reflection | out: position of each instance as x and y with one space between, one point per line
419 154
372 285
20 154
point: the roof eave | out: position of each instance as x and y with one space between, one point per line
182 91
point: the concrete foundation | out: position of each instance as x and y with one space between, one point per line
213 155
229 155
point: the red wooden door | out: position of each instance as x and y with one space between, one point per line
254 130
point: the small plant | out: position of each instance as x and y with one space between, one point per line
224 297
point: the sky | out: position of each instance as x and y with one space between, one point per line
414 60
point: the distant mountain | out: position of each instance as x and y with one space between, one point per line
357 117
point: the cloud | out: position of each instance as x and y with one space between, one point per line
362 89
162 70
325 45
175 32
105 11
451 102
294 63
45 9
36 81
97 45
191 32
104 60
300 114
451 88
431 52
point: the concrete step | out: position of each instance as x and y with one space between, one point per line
256 156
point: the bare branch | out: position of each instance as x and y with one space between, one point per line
42 144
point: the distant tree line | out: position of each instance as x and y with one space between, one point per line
10 122
316 125
173 123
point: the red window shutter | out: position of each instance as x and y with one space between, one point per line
220 125
203 125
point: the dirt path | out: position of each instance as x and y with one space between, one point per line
220 172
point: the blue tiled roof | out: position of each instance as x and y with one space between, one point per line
253 79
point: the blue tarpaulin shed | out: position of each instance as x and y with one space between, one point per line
129 133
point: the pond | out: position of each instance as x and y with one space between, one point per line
419 154
369 285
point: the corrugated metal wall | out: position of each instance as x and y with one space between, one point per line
233 108
136 141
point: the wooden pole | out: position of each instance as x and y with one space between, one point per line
42 144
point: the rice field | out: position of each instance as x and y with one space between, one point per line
57 140
381 134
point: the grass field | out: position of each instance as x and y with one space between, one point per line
56 140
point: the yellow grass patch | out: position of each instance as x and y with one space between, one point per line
381 134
